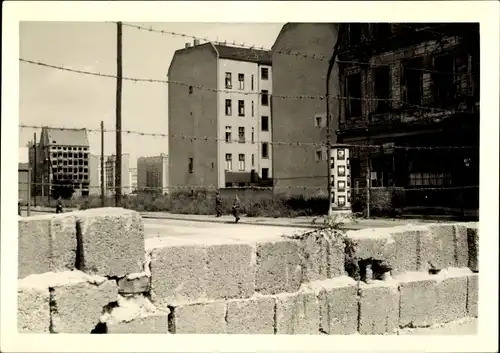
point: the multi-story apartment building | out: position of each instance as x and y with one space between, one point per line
152 174
300 57
94 174
110 175
62 162
224 104
416 87
133 180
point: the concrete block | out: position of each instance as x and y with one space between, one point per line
77 301
473 245
437 247
178 274
250 316
378 308
279 267
46 243
297 313
199 318
230 271
336 257
472 295
405 257
314 254
111 241
134 283
461 245
322 255
34 246
452 295
372 243
33 310
152 323
338 300
419 299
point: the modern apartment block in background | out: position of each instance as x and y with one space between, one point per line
152 174
60 161
301 123
231 117
110 175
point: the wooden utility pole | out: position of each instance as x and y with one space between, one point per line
118 163
102 163
35 186
331 63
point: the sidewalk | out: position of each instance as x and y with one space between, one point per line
298 222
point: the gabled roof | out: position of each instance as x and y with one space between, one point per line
244 54
60 137
262 57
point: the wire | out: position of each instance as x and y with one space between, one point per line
214 187
149 80
291 53
290 144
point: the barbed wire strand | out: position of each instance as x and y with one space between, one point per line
214 187
320 97
208 138
290 53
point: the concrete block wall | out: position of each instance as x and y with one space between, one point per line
114 281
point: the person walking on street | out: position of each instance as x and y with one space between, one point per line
218 204
236 208
59 205
19 208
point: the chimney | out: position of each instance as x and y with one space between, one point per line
187 45
196 42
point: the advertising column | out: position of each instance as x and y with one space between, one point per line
340 182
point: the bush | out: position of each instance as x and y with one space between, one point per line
203 203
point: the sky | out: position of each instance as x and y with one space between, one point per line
58 98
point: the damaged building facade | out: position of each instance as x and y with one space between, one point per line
410 105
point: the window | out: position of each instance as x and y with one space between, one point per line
412 80
320 155
444 85
354 94
241 81
228 107
253 132
229 83
318 121
229 161
253 160
264 73
382 88
252 83
190 167
228 134
264 98
264 123
429 179
265 173
241 134
341 185
252 110
265 150
241 162
241 108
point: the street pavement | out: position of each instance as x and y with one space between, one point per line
298 222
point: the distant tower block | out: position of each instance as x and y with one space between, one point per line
340 183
